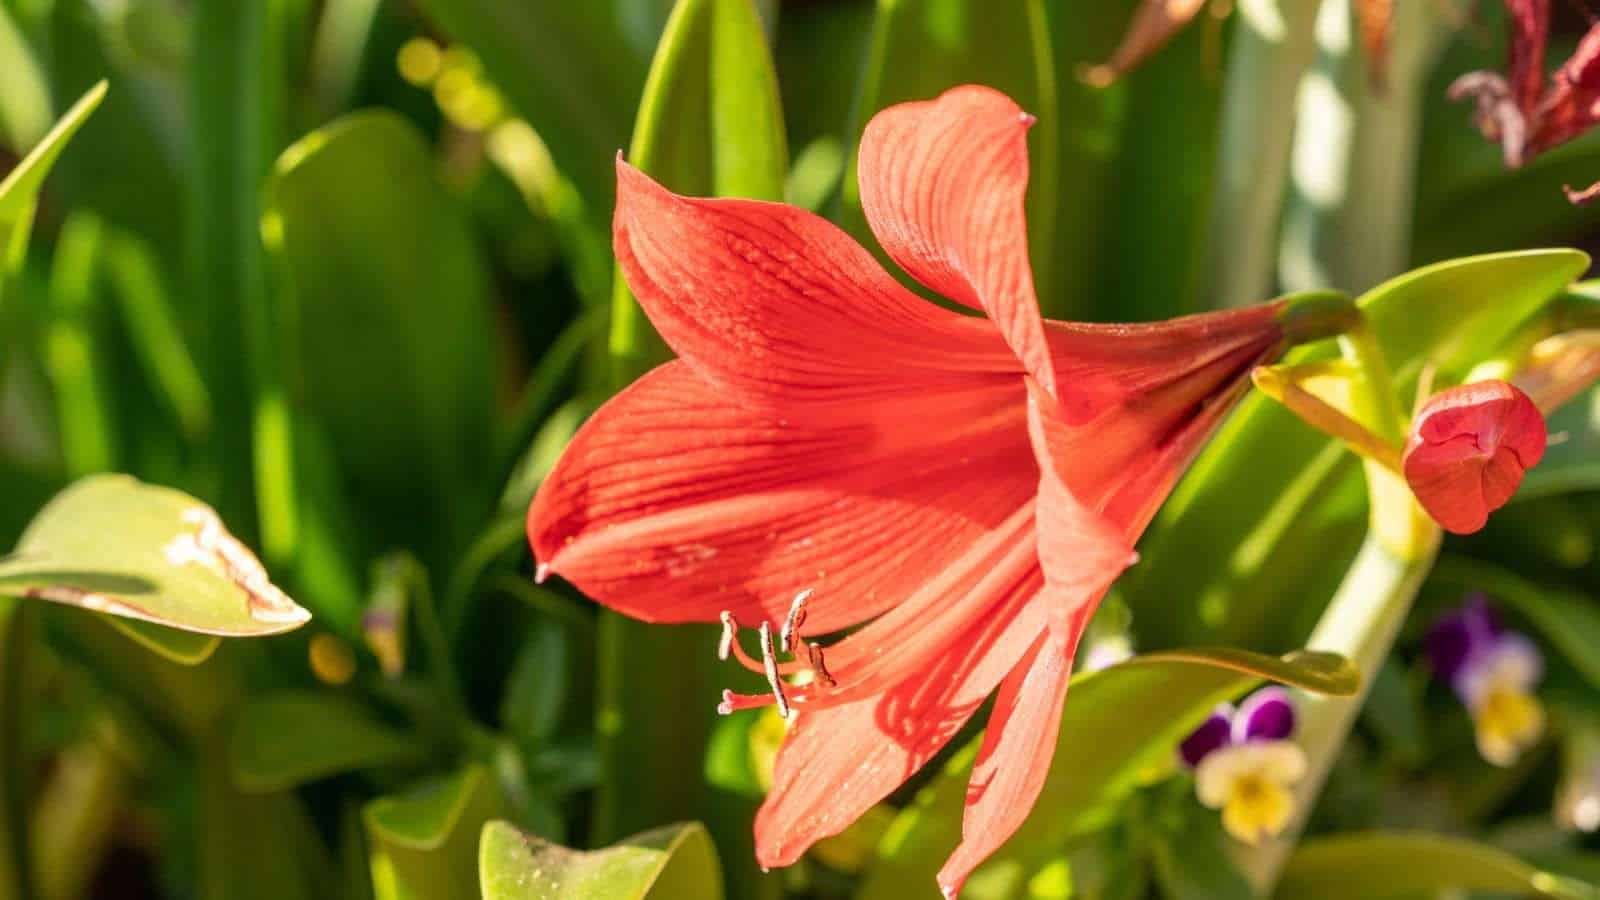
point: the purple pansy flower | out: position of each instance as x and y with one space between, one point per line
1244 764
1494 672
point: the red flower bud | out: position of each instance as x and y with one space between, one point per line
1468 450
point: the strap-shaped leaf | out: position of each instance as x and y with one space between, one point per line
1378 865
284 740
114 545
677 861
20 190
1119 725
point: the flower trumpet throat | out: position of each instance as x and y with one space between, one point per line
914 509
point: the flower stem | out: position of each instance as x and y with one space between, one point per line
1360 623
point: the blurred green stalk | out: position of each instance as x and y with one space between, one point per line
1272 46
83 403
1347 222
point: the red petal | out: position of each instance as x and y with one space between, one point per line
1568 110
788 311
1081 552
838 762
1105 365
1468 450
672 504
1015 757
1530 29
942 185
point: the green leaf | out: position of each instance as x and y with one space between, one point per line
1119 729
1273 508
710 123
1572 464
134 551
920 48
392 326
1568 620
1376 865
281 741
425 840
677 861
19 191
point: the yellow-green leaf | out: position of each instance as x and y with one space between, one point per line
676 862
139 552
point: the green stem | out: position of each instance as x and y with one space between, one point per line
1360 623
1272 46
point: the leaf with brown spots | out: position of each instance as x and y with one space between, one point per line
133 551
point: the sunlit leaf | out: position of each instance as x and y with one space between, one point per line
425 840
20 190
1120 727
134 551
677 861
1379 865
283 740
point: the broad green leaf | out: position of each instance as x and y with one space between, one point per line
920 48
1119 729
391 326
114 545
19 191
424 841
1379 865
1272 510
677 861
710 123
1570 621
281 741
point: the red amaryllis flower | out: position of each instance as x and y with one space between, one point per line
1519 110
834 453
1468 450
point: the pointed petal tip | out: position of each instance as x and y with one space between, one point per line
1027 119
541 572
